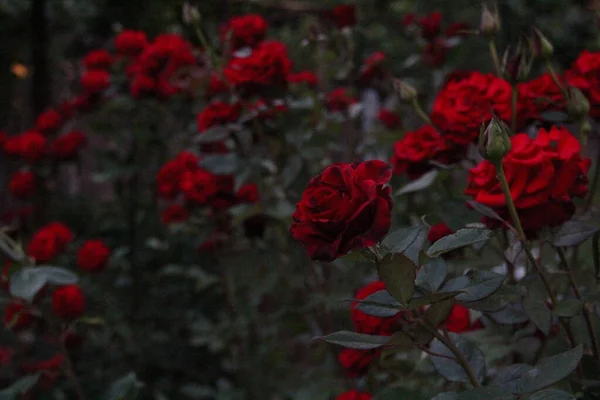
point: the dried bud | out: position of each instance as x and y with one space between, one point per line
406 92
490 21
494 142
578 105
190 14
540 45
516 64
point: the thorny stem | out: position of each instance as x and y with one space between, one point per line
495 58
586 313
521 234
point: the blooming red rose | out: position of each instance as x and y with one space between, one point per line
467 102
68 302
95 81
389 119
544 174
248 193
50 370
169 177
93 256
459 320
344 208
17 316
130 42
167 54
143 85
356 362
540 95
434 53
246 30
218 113
49 121
339 100
267 66
343 15
67 146
307 77
22 184
438 231
98 59
354 395
372 68
431 25
30 145
175 213
49 241
369 324
199 186
413 152
584 74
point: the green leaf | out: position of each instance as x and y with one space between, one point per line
20 387
507 377
552 394
353 340
567 308
554 116
217 133
488 212
451 369
400 341
417 185
481 285
437 313
126 388
221 164
549 371
575 232
26 282
398 273
538 313
431 276
408 241
379 304
433 298
487 393
462 238
511 314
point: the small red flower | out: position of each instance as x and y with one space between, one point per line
457 29
130 42
459 320
434 53
66 147
49 241
306 77
170 175
218 113
343 16
354 395
17 316
98 59
438 231
93 256
68 302
431 25
49 121
356 362
369 324
389 119
372 68
175 213
246 30
248 193
199 186
339 100
143 85
22 184
216 86
30 145
95 81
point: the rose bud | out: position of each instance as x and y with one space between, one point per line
406 92
578 105
540 45
490 22
516 65
190 14
494 142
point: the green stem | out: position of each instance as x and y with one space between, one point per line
552 73
586 313
510 204
419 110
513 107
495 58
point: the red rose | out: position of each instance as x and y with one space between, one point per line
459 320
68 302
130 42
95 81
168 178
49 241
434 53
372 68
82 103
248 193
369 324
175 213
246 30
346 207
93 256
218 113
585 76
22 184
540 95
98 59
49 121
544 175
343 15
463 105
30 145
354 395
199 186
438 231
17 316
430 25
356 362
413 152
389 119
306 77
267 66
50 370
143 85
339 100
67 146
167 54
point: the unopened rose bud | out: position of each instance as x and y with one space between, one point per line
490 21
191 15
406 92
541 46
494 142
516 64
585 128
578 105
